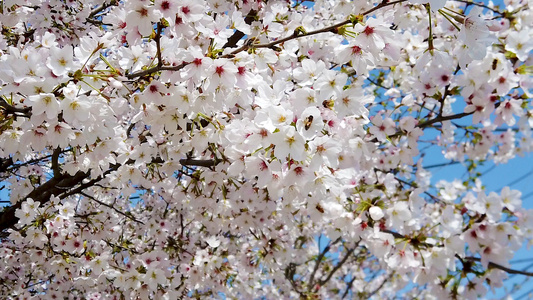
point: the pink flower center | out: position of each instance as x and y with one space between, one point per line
219 70
197 61
508 105
299 171
356 50
165 5
368 30
143 12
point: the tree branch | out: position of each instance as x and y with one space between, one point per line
157 39
245 47
42 193
443 118
101 8
500 267
199 162
331 28
10 109
481 5
55 162
111 207
470 258
380 286
338 266
61 184
289 274
238 35
318 261
442 165
348 287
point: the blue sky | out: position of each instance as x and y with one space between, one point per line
517 173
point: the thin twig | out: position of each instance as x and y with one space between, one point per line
500 267
481 5
318 261
337 267
245 47
111 207
348 287
380 286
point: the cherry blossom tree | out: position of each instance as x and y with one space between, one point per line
260 148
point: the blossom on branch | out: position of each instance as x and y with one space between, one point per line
261 149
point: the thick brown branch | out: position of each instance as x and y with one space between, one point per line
42 193
238 35
5 163
199 162
290 271
64 185
158 44
88 184
55 162
10 109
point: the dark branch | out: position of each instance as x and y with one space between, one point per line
111 207
380 286
55 162
331 28
348 287
470 258
238 35
101 8
442 118
338 266
10 109
199 162
62 185
500 267
42 193
481 5
318 261
158 44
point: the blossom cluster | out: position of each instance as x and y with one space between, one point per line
165 149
